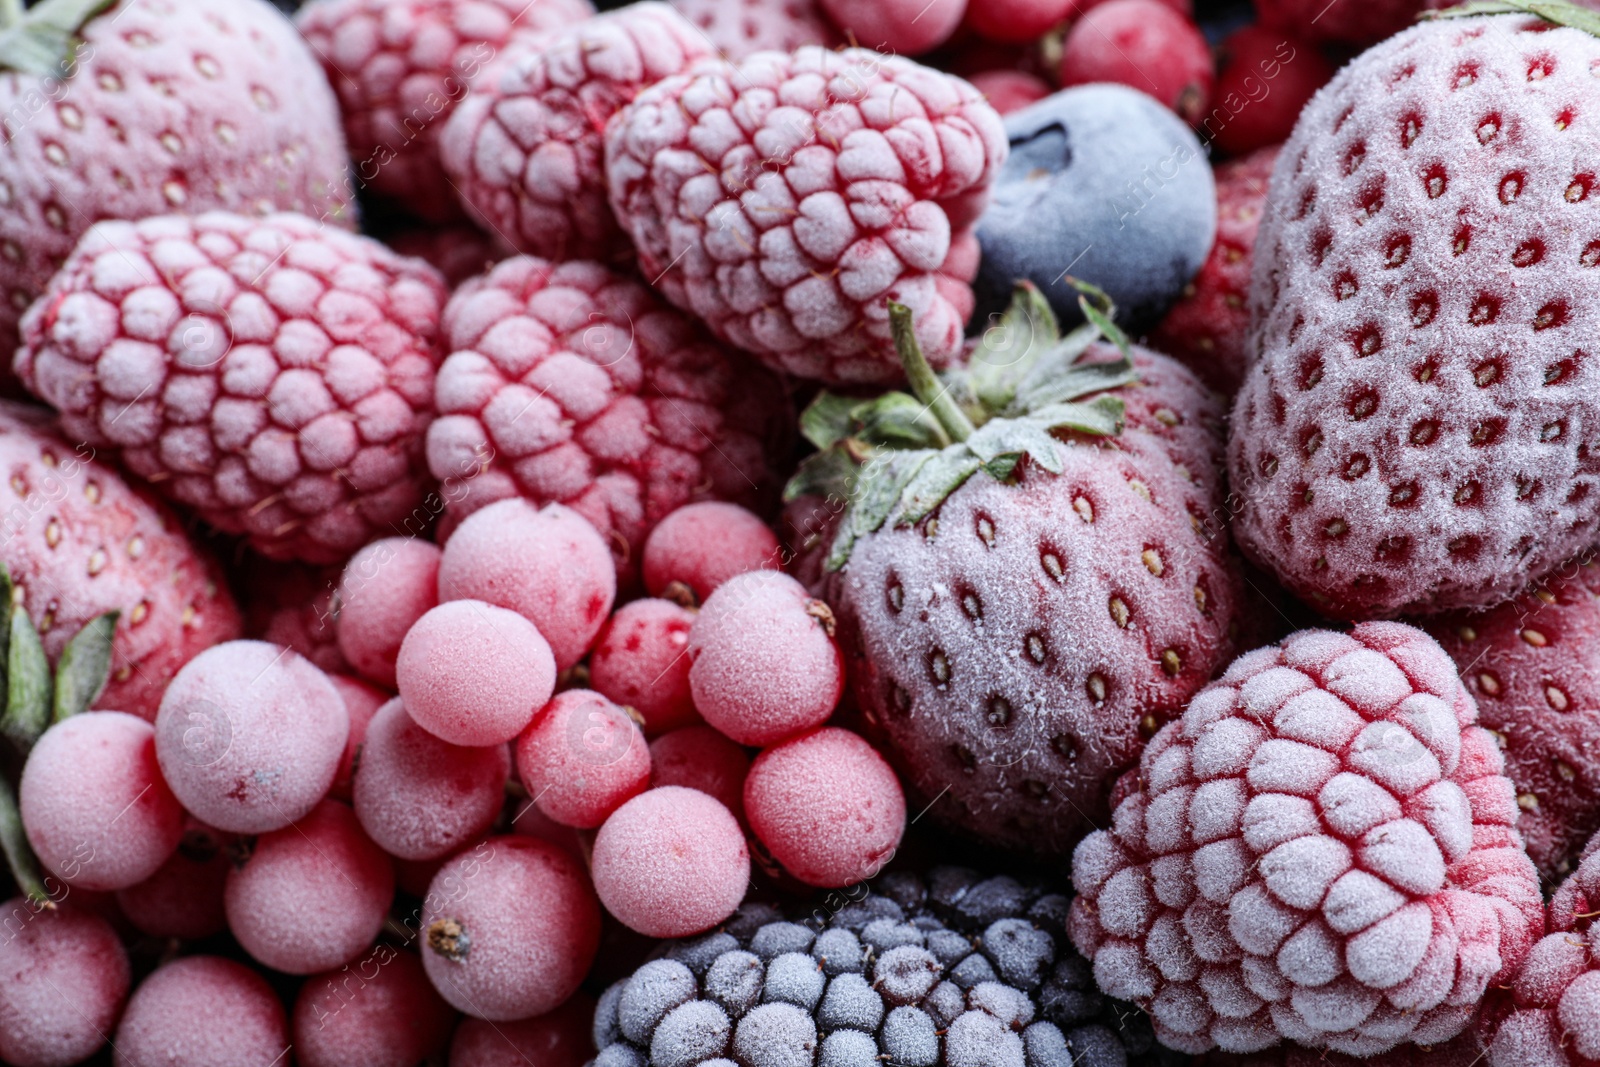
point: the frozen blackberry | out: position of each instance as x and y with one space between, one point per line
954 969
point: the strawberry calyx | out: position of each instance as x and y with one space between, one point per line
44 39
896 457
1559 12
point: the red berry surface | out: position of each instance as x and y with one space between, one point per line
560 1038
511 927
743 27
827 807
202 1011
380 1012
63 979
698 757
700 546
671 862
294 605
384 589
474 674
641 660
897 27
1264 78
183 899
361 703
95 807
420 798
1010 90
1016 21
1145 45
249 736
581 758
1359 24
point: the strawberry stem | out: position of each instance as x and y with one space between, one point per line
924 383
19 857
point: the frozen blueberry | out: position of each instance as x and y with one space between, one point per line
839 951
794 978
1049 912
690 1033
910 1038
735 981
655 989
850 1003
774 939
848 1048
855 917
1104 184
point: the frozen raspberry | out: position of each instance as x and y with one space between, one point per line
700 546
641 660
292 605
582 757
1528 664
249 736
1408 439
827 807
897 27
524 152
1464 1051
95 807
184 105
700 758
272 374
384 589
361 703
1146 45
202 1011
312 896
1359 24
184 898
744 27
670 862
764 665
474 674
547 564
788 228
63 978
1208 328
1016 21
421 798
1010 90
1576 900
559 1038
401 68
510 928
458 252
1264 80
1323 848
569 383
383 1013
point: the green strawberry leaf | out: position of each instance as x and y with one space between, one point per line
829 419
19 855
1101 417
43 39
27 711
84 667
941 475
1008 351
896 420
878 487
1560 12
826 474
1016 437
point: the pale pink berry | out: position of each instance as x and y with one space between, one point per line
379 1012
510 928
671 862
311 896
559 1038
765 666
546 564
183 899
385 588
249 736
698 757
700 546
581 758
202 1011
421 798
1010 90
897 27
641 660
63 979
738 28
361 703
827 807
95 807
474 674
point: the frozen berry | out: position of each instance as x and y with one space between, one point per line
535 823
698 757
202 1011
386 587
311 896
510 928
94 805
671 862
361 703
1264 79
184 898
250 736
641 660
292 605
559 1038
897 27
419 797
1145 45
745 27
700 546
547 564
63 978
474 674
581 758
383 1013
458 250
765 665
1010 90
827 807
1015 21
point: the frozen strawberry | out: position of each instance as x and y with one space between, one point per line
1208 328
744 27
524 152
788 233
571 384
1264 79
1146 45
1323 848
181 105
273 374
1411 436
401 68
1016 632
